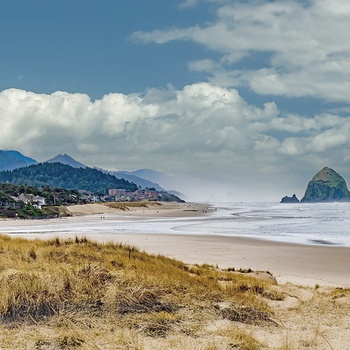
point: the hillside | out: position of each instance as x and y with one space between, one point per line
139 177
52 195
136 179
159 180
126 175
10 160
28 202
66 177
163 180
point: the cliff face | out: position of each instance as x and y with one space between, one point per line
326 186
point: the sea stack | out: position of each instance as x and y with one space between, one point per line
292 199
326 186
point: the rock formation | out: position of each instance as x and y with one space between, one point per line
326 186
292 199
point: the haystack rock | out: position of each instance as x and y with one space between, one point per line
326 186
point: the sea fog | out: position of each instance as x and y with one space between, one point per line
312 224
303 223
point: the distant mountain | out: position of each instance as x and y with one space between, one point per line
66 177
160 179
144 178
153 176
10 160
139 180
143 183
67 160
326 186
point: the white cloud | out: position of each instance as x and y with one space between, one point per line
329 139
292 146
307 43
193 3
189 3
203 65
202 129
340 7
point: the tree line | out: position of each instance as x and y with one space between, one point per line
58 175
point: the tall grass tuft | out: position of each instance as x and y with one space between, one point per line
121 288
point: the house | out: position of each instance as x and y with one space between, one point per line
30 199
40 200
117 192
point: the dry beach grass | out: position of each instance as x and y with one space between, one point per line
75 293
79 294
142 208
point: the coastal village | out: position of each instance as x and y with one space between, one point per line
114 195
120 195
38 190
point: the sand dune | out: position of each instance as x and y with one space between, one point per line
311 315
300 264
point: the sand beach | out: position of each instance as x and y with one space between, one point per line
307 265
312 280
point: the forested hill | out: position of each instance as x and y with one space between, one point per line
65 176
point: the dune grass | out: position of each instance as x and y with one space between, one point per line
79 294
128 205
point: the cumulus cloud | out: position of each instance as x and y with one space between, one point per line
193 3
202 129
306 43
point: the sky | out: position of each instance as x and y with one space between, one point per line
236 100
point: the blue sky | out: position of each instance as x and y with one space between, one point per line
250 95
86 46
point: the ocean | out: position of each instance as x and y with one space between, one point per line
312 224
302 223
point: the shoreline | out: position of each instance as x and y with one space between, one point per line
303 304
301 264
288 262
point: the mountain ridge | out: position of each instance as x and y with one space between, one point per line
67 160
65 176
12 159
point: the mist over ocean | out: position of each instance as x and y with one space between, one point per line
305 223
313 224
